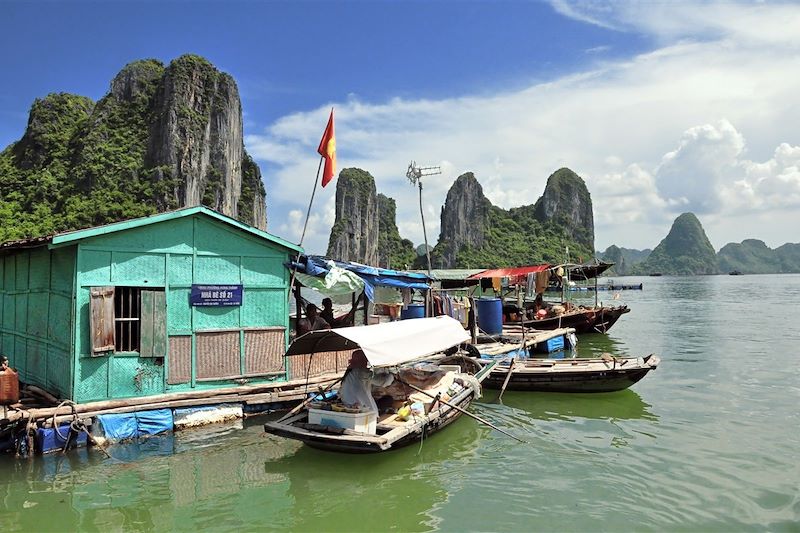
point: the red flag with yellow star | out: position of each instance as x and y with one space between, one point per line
327 149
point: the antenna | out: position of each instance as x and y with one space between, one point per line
414 175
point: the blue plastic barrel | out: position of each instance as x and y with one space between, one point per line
413 311
490 315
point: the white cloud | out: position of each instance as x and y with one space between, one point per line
679 128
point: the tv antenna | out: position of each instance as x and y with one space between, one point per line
415 175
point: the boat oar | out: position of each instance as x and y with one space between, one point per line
457 408
508 378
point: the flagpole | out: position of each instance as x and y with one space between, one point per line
305 225
308 213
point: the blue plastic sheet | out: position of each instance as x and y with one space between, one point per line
154 422
119 426
130 425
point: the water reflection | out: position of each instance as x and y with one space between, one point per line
340 492
622 405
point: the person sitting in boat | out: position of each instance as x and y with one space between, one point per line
540 308
356 388
340 321
312 321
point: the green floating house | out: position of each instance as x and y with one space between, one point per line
181 301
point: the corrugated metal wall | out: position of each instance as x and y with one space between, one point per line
35 316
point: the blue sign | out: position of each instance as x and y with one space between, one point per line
215 295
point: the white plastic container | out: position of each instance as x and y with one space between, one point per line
365 422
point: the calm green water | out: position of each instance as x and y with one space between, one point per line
709 441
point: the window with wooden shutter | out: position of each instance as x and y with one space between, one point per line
101 321
153 321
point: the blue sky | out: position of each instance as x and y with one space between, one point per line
661 108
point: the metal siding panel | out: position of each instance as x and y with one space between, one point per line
92 379
264 307
59 316
137 268
62 270
217 354
58 372
264 271
179 312
180 270
133 376
95 267
179 360
101 323
21 314
39 269
36 363
217 270
264 351
22 270
37 314
146 325
216 317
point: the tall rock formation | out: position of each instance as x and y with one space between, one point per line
685 251
476 234
354 235
464 220
566 202
161 138
393 250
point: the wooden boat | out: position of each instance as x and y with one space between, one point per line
444 392
735 273
604 374
583 319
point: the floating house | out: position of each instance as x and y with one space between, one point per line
182 301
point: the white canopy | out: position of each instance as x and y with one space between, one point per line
387 344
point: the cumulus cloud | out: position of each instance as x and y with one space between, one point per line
691 125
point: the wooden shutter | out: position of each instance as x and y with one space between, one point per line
101 319
153 320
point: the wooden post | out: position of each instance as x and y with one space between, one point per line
471 320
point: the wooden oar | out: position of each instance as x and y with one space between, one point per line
508 378
457 408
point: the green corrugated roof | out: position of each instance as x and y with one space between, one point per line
77 235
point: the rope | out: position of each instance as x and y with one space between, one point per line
74 417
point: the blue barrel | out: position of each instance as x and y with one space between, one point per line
413 311
490 315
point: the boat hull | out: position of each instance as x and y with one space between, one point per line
543 379
583 321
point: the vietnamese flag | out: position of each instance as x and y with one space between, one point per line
327 149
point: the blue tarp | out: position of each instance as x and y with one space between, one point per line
154 422
315 265
130 425
118 426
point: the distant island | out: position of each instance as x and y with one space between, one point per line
686 250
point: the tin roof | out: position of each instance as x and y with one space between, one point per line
69 237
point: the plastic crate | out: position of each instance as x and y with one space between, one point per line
364 422
550 345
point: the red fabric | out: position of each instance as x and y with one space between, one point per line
509 272
327 149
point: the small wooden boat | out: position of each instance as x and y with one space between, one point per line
583 319
440 391
604 374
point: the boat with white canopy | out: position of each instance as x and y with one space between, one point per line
397 389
